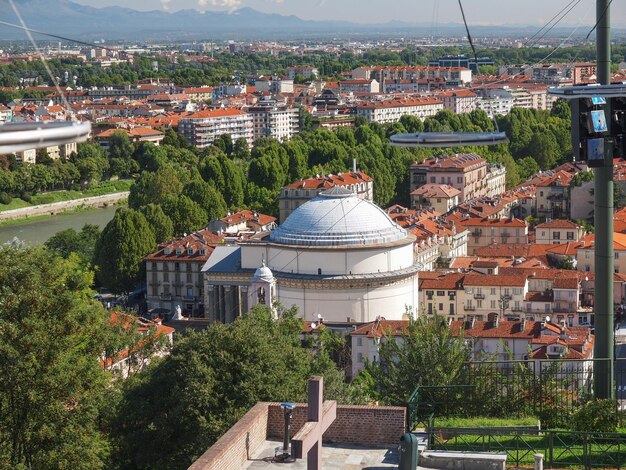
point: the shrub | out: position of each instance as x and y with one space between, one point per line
27 196
5 198
596 416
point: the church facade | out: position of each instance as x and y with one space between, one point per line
336 257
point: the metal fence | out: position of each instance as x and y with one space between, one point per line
548 389
560 448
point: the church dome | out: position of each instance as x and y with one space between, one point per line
337 217
264 274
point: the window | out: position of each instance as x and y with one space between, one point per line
441 307
176 266
430 309
189 278
556 235
479 304
517 291
189 291
360 357
451 309
440 292
493 291
359 341
493 304
429 294
154 265
189 267
433 179
190 251
616 254
459 179
570 235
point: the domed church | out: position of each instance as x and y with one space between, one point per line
337 257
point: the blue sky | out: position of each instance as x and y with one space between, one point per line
369 11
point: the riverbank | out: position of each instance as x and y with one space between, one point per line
56 208
36 230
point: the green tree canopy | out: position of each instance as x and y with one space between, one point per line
161 225
120 250
52 387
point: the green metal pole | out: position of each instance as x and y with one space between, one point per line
603 349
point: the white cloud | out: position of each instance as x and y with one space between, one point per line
230 4
165 4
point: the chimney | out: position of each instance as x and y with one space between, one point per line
496 322
354 165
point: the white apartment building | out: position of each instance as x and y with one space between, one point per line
495 101
392 110
459 101
202 128
279 122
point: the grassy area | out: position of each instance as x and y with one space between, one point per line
562 449
108 187
484 422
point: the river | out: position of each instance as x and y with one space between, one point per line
38 231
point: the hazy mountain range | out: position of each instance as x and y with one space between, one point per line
67 18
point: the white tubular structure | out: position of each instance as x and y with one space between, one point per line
448 139
588 91
17 137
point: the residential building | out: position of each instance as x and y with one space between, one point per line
173 273
469 173
585 256
486 232
392 110
558 231
203 127
295 194
489 295
495 101
278 122
459 101
441 197
306 71
154 339
243 221
553 194
359 85
136 134
497 339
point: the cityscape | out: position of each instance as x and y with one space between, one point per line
253 234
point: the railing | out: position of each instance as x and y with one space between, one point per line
479 296
560 448
549 389
469 308
165 296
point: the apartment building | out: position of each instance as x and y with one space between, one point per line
243 221
487 232
294 195
203 127
173 272
553 194
459 101
467 172
441 197
452 75
359 85
392 110
437 242
305 71
558 231
498 339
585 250
495 101
278 122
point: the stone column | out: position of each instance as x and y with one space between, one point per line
209 303
229 313
244 299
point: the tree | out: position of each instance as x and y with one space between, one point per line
69 241
187 215
173 412
161 225
429 354
120 250
120 146
527 167
154 187
544 148
207 197
225 143
52 388
241 151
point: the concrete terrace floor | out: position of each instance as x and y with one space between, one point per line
335 457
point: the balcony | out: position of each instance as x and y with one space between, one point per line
469 308
165 296
479 296
189 298
517 309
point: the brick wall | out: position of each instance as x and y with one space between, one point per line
363 425
355 424
238 444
